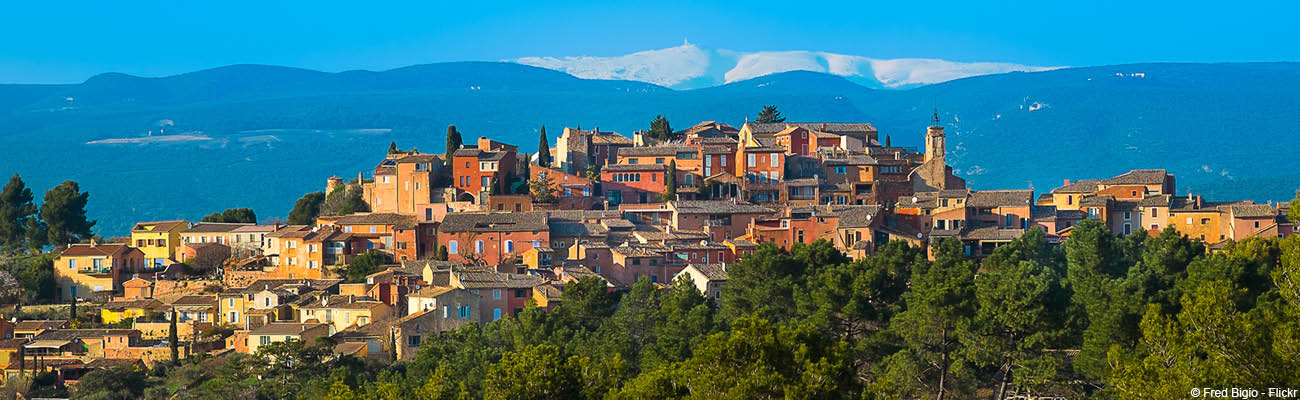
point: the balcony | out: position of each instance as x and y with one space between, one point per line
95 271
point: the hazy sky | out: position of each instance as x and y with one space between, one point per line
69 41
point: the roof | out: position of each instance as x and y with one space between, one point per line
397 220
128 304
482 155
215 227
494 222
433 291
842 128
563 229
717 207
344 302
39 324
859 217
706 126
158 226
634 167
662 150
1251 210
1082 186
96 250
73 334
489 279
284 328
1001 198
1139 177
714 272
419 158
610 138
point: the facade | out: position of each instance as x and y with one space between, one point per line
492 237
158 240
91 270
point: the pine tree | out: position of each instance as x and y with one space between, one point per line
453 143
16 209
392 148
660 129
37 234
769 114
670 182
543 149
64 213
306 209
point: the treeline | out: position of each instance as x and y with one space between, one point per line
1101 316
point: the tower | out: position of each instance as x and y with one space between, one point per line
934 140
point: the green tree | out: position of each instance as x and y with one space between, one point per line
764 283
535 372
453 143
124 382
1293 212
587 302
660 129
442 254
345 200
769 114
72 312
233 216
16 213
37 234
940 309
392 148
173 339
64 213
543 149
361 266
670 182
306 209
543 189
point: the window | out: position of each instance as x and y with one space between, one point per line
1153 213
1189 220
841 170
496 314
633 161
1256 224
752 158
724 160
451 247
386 179
1205 221
521 293
446 312
510 246
478 246
775 160
496 293
659 160
1069 199
1009 219
414 340
1128 229
264 340
1128 215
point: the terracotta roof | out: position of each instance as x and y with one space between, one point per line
284 328
73 334
717 207
610 138
495 222
1251 210
661 150
215 227
1082 186
634 167
398 220
96 250
420 158
579 229
158 226
1139 177
39 324
147 304
1001 198
859 217
480 280
1156 201
842 128
714 272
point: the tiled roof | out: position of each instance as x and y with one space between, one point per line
72 334
577 229
611 138
842 128
859 217
707 126
1082 186
1139 177
663 150
1001 198
1251 210
993 233
717 207
397 220
158 226
148 304
578 215
1156 201
488 279
214 227
714 272
494 222
96 250
634 167
420 158
39 324
284 328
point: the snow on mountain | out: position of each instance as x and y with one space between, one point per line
690 66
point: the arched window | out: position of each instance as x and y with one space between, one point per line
451 247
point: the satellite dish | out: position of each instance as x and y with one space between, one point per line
918 235
914 199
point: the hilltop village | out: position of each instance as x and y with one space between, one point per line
484 231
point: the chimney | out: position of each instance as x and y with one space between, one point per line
1067 182
92 242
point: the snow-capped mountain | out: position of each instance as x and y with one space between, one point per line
690 66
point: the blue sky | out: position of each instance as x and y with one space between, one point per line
61 42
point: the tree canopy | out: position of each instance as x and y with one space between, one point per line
306 209
64 214
769 114
543 149
660 129
233 216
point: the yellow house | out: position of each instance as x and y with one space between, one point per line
343 312
116 311
87 270
158 240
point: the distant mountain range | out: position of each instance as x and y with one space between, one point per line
690 66
260 136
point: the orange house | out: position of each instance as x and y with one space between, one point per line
633 183
403 183
86 270
476 170
492 237
395 234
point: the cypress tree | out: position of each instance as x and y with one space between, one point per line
543 149
453 143
392 147
173 338
670 182
72 311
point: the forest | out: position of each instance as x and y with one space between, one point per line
1099 316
